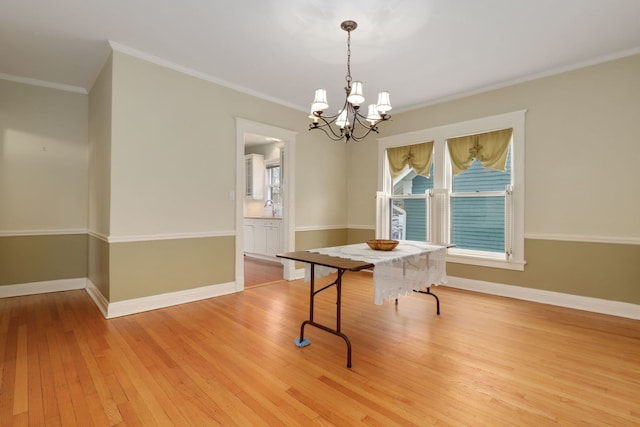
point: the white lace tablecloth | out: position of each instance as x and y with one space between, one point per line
411 265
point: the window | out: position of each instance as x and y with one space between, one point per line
273 184
472 197
478 203
410 168
409 206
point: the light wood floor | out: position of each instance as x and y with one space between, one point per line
231 360
258 272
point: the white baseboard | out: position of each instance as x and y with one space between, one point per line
298 273
263 257
138 305
42 287
596 305
154 302
97 297
121 308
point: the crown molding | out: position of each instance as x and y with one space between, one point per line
23 233
42 83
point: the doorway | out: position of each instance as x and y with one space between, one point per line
251 271
258 272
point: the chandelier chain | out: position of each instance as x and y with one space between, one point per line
348 78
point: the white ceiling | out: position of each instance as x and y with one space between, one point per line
421 51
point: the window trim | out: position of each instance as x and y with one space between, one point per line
442 180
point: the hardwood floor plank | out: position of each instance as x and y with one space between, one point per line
102 401
60 385
138 383
7 381
21 382
130 414
47 382
36 414
380 411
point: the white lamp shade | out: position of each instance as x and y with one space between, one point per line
342 120
320 100
384 103
372 114
356 96
311 115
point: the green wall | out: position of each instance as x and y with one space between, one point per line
27 259
146 268
599 270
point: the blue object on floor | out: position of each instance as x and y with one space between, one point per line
305 342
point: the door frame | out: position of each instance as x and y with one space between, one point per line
288 137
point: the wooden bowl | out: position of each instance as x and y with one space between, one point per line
382 244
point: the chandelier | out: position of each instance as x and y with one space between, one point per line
349 123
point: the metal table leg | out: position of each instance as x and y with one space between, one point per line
428 292
302 341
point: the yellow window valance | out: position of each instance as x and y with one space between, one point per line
417 156
490 149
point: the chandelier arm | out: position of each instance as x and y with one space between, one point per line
369 128
360 117
326 124
332 135
383 117
327 119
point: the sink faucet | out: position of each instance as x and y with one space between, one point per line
273 206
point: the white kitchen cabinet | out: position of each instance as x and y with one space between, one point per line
254 176
272 238
249 238
262 236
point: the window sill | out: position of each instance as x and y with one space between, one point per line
516 265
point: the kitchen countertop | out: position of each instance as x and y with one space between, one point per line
262 217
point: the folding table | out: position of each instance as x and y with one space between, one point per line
411 267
